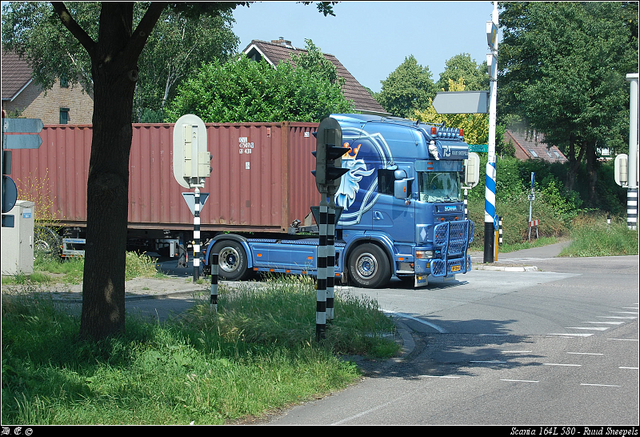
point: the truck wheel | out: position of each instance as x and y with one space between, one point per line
369 266
232 260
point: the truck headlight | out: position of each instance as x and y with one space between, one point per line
424 254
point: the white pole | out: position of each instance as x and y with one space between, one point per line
490 189
632 190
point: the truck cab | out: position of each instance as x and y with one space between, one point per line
401 211
402 195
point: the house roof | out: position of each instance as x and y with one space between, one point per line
280 50
16 75
533 147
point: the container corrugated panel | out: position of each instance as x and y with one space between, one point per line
260 180
57 171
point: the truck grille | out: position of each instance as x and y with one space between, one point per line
453 239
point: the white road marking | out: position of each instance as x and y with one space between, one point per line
584 353
518 380
562 364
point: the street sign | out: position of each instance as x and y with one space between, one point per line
21 141
22 125
190 155
21 133
9 194
190 198
461 102
492 34
479 148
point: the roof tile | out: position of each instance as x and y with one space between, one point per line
352 89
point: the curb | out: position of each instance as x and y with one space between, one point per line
507 268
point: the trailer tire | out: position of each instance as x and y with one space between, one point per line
232 260
369 266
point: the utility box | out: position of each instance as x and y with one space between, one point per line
17 242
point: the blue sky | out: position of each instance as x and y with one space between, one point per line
372 38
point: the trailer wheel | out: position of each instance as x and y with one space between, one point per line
369 266
232 260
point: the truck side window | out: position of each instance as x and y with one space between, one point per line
385 181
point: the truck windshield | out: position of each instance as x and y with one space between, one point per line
439 186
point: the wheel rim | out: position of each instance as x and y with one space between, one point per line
366 265
228 259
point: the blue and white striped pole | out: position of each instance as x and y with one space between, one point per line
490 190
489 211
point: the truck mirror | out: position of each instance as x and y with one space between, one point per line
401 189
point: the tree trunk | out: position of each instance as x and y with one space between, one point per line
592 172
103 310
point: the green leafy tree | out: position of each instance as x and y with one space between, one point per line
247 91
407 89
476 77
563 68
476 126
178 45
113 41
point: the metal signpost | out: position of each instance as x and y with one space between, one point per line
476 102
191 164
490 190
626 166
532 197
328 173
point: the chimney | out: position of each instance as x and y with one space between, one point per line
282 42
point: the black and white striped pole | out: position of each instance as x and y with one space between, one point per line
632 191
321 288
626 166
213 299
196 236
328 173
330 253
190 166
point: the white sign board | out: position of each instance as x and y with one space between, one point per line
461 102
190 155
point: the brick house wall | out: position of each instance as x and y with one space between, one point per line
20 95
36 103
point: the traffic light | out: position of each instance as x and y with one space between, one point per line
328 155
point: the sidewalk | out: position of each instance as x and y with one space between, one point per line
520 260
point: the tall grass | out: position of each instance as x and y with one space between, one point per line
591 235
256 355
48 268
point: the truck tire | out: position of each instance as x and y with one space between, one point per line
369 266
232 260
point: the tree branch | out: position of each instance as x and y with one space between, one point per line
144 29
73 26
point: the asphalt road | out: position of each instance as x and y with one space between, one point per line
554 346
531 340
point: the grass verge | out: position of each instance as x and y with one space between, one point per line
256 355
51 269
591 235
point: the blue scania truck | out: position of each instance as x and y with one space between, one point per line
402 212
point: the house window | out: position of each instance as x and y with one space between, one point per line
533 153
64 82
64 115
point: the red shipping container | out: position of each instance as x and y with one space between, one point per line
260 180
